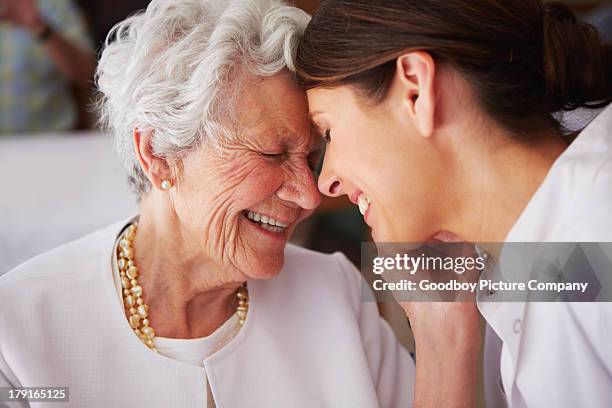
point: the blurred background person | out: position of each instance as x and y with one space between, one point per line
46 66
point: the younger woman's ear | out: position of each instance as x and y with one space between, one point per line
415 75
155 168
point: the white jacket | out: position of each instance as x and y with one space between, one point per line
308 340
559 354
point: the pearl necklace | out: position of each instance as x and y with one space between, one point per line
133 295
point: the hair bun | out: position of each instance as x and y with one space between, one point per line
577 67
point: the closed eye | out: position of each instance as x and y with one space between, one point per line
274 152
273 155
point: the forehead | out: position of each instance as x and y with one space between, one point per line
331 100
274 105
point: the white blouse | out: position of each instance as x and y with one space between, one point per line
308 340
195 351
558 354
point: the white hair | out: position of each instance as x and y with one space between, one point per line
166 69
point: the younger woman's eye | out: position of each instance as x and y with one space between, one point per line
327 136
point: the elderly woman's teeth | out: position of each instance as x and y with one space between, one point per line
266 222
363 202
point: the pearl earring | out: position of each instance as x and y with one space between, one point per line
166 185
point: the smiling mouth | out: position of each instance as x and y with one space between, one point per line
363 202
266 222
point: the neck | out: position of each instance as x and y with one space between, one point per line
188 295
493 180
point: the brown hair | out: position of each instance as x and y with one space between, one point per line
524 60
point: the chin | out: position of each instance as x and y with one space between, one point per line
263 268
381 234
391 237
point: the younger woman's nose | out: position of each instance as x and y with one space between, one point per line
329 183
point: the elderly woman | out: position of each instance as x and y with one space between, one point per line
199 301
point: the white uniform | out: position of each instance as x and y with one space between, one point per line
558 354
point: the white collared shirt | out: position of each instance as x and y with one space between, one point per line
559 354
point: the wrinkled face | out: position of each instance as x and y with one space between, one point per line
380 161
242 202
